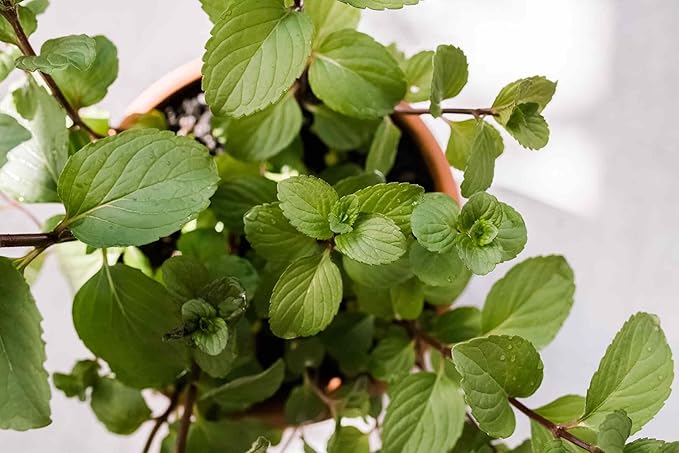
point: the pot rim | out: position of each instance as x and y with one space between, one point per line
174 81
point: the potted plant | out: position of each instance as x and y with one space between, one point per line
279 246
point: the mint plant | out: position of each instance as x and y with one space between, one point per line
255 253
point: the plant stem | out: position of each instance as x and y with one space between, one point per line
39 240
476 113
160 420
24 45
185 423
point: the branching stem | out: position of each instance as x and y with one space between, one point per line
189 402
476 113
162 419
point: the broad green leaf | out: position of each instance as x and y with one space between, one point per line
220 365
382 153
352 184
354 399
635 374
613 432
446 295
266 133
243 392
8 57
462 135
185 277
85 374
121 315
344 214
257 50
135 187
237 267
383 276
215 8
272 236
555 446
380 4
532 300
355 75
493 369
339 171
306 201
224 436
330 16
528 127
212 337
419 70
394 200
77 51
449 76
235 197
303 405
348 439
393 357
36 6
24 400
407 299
120 408
437 269
375 239
340 132
486 146
303 353
434 222
348 340
261 445
84 88
645 446
78 266
204 243
33 167
11 135
533 90
460 324
426 413
306 297
564 410
28 23
473 440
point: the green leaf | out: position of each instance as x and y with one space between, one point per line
77 51
33 167
434 222
493 369
303 405
84 88
532 300
460 324
121 315
340 132
533 90
613 432
260 445
380 4
12 134
351 184
382 153
243 392
120 408
355 75
212 337
225 436
303 353
407 299
204 243
84 375
393 357
306 297
7 61
235 197
437 269
394 200
330 16
528 127
306 201
28 23
184 276
24 401
272 236
635 374
257 50
36 6
348 340
486 146
462 136
419 71
473 440
449 76
426 413
235 266
215 8
78 266
266 133
136 259
383 276
564 410
348 439
645 446
135 187
375 239
555 446
220 365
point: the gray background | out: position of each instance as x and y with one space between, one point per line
602 193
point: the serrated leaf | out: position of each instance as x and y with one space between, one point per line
344 214
256 51
11 135
384 147
426 413
434 222
645 446
383 276
36 6
393 357
84 88
220 365
394 200
24 401
121 315
437 269
419 70
449 76
380 4
486 146
235 197
237 267
354 75
120 408
613 432
460 324
28 23
348 439
330 16
272 236
33 167
266 133
77 51
532 300
303 405
375 239
306 297
340 132
212 337
462 135
184 276
141 178
243 392
528 127
306 201
215 8
536 90
635 374
493 369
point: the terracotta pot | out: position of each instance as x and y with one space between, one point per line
186 75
